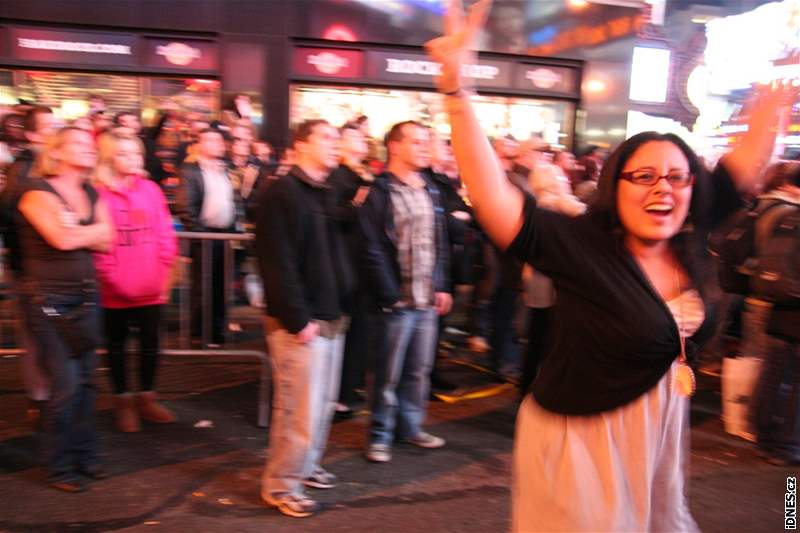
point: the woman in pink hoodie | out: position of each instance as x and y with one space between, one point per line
135 274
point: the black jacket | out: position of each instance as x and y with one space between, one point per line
451 201
16 180
612 337
300 251
189 200
345 183
380 263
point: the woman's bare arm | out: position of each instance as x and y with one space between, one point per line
497 203
765 112
43 209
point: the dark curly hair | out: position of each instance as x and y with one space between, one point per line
689 243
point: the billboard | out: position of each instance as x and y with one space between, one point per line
532 27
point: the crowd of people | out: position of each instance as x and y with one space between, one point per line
358 259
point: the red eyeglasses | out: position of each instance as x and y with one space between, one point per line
679 180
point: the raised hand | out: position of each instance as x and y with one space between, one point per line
497 205
766 110
455 48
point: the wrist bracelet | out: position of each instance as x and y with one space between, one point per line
458 92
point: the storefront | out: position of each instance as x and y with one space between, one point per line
520 96
141 72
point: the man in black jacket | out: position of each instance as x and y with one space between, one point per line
307 283
207 202
39 126
407 265
351 183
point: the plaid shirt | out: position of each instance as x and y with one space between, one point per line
416 242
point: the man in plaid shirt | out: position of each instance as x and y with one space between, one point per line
407 266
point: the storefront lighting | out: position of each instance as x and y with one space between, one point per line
71 109
339 32
594 86
577 4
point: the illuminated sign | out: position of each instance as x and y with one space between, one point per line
178 53
589 35
543 78
339 33
417 68
186 54
547 79
328 62
650 74
72 47
409 69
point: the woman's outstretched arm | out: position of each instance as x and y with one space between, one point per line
496 202
765 112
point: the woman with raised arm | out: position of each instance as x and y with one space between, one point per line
602 442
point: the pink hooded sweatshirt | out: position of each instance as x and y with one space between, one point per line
135 271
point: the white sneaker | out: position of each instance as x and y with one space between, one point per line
426 440
379 453
321 479
297 506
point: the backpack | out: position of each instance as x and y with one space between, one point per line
733 245
776 271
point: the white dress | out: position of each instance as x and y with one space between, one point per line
619 470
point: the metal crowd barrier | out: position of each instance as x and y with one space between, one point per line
185 239
184 347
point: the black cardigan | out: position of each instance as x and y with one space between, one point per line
612 336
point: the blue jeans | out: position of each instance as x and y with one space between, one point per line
402 374
33 375
70 440
503 339
306 386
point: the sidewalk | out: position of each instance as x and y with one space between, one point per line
181 478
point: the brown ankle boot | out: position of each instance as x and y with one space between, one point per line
151 410
127 417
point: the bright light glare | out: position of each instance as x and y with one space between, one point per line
649 74
595 86
577 4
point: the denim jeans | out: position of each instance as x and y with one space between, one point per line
503 339
402 374
306 387
70 440
33 375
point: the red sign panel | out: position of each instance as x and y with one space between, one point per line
182 54
328 62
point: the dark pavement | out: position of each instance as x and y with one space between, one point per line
181 478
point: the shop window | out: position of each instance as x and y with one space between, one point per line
499 115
